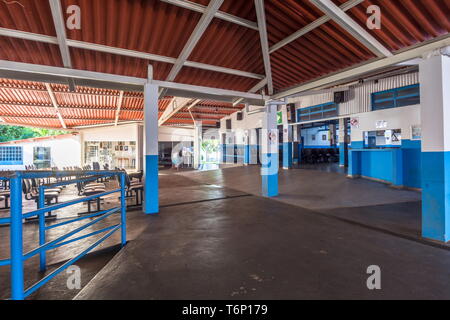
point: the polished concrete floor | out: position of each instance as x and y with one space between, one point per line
249 247
326 189
215 238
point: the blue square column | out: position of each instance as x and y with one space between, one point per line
269 144
435 115
151 193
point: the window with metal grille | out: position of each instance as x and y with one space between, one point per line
11 155
321 111
398 97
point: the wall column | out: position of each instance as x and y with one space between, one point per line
287 140
343 145
197 144
246 147
151 201
269 144
253 147
435 115
287 147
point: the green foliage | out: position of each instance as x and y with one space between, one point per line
11 133
210 146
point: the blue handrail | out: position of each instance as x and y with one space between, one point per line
15 220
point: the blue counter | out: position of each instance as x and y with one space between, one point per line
381 164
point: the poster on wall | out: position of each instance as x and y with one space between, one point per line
416 132
354 122
381 124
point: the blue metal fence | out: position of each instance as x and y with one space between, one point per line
18 257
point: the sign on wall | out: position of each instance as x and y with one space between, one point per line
416 132
280 117
381 124
354 122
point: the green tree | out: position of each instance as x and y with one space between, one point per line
11 133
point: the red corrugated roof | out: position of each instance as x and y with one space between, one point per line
29 103
156 27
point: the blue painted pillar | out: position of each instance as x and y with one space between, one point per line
253 147
269 148
246 148
16 239
198 134
434 78
354 163
287 145
151 200
343 139
224 153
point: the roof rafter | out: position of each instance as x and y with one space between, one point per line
219 14
55 105
61 37
200 28
261 16
351 26
176 105
313 25
119 106
124 52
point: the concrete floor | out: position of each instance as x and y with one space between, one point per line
326 189
225 242
249 247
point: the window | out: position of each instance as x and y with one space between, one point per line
399 97
322 111
42 157
11 155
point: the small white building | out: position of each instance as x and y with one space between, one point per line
118 146
43 152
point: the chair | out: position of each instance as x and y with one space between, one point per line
90 190
5 195
31 193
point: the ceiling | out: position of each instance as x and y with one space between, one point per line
228 54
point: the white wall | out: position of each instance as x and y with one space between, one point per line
65 152
358 97
239 128
112 133
397 118
167 134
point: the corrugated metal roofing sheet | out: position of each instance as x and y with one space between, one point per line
156 27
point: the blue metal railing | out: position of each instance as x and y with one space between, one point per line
18 291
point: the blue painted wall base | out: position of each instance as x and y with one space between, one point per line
269 175
151 197
436 195
342 154
246 154
287 155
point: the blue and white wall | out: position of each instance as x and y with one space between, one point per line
380 164
242 135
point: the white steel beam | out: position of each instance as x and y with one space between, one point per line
350 73
219 14
60 27
193 104
119 106
261 16
123 52
114 78
55 105
200 28
257 87
313 25
344 20
176 105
